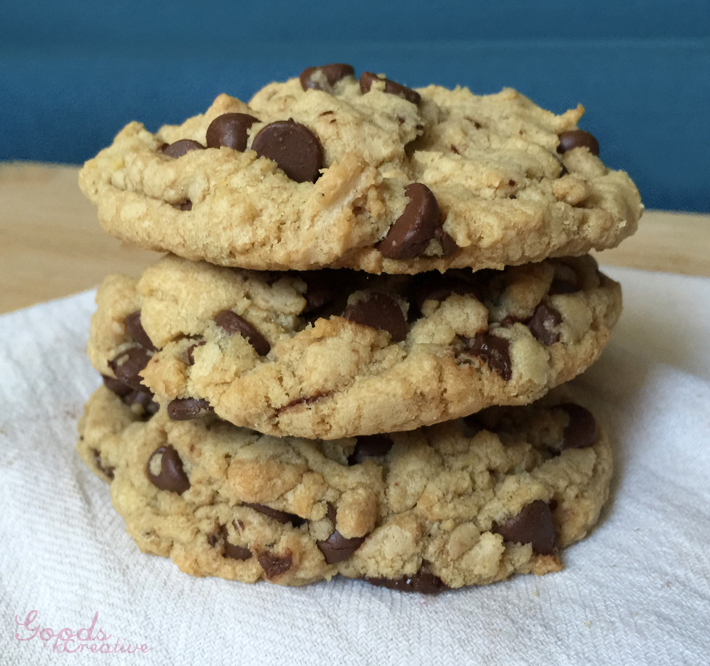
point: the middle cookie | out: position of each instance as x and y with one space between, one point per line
335 353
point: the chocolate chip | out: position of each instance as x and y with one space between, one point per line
116 386
380 312
391 87
232 323
274 565
543 323
409 236
325 76
236 552
370 446
280 516
185 409
107 471
295 149
128 364
448 244
332 514
145 399
336 548
189 358
422 582
532 525
137 332
230 130
230 550
578 139
172 477
130 396
581 431
185 205
494 351
180 148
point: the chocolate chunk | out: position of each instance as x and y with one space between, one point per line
280 516
543 323
325 76
180 148
172 477
391 87
581 431
422 582
189 358
230 130
409 236
128 364
336 548
137 332
185 409
116 386
274 565
532 525
380 312
494 351
295 149
185 205
370 446
232 323
578 139
108 471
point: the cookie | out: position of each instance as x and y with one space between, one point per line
467 502
338 353
329 171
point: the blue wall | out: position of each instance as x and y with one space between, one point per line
72 73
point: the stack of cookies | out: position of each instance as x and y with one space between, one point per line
341 366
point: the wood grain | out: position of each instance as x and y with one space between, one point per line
51 244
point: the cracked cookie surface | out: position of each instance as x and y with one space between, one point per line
466 502
512 182
330 354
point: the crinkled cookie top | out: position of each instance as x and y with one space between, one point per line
327 170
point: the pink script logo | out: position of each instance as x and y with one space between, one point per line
87 639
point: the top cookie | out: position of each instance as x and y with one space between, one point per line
329 171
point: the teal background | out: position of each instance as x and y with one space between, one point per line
72 73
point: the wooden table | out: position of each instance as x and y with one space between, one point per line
51 244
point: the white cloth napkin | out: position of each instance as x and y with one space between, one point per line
636 591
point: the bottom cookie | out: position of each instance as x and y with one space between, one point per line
467 502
